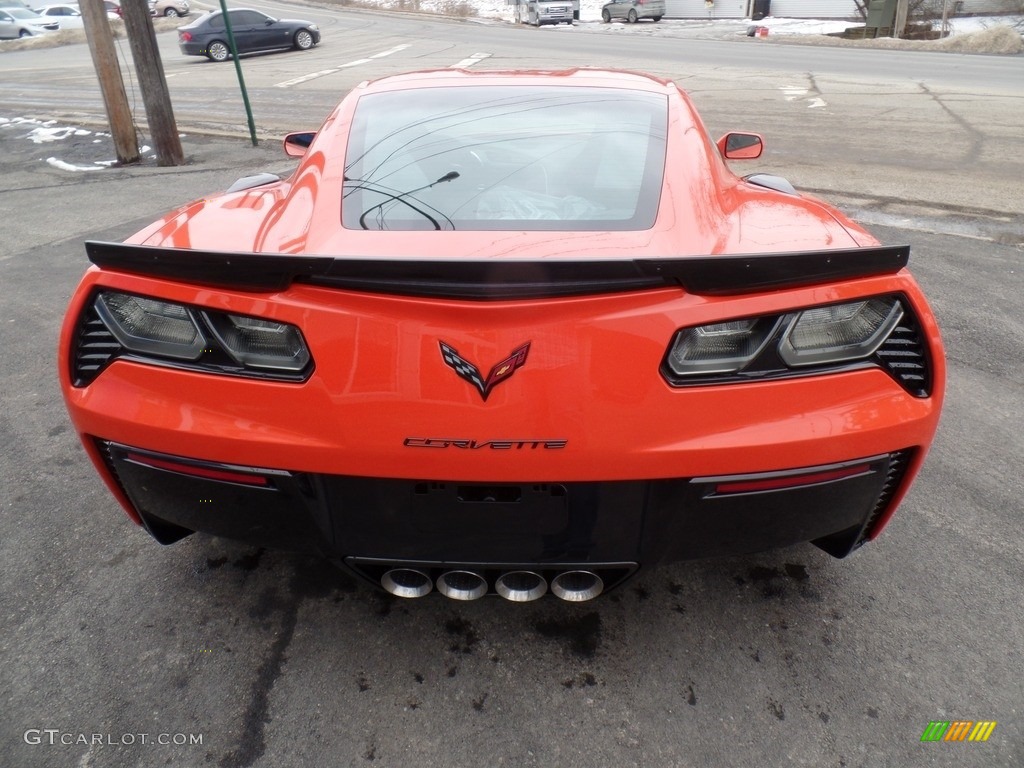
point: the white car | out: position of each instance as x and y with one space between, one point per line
113 8
21 22
169 8
68 16
633 10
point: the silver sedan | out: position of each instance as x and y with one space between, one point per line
633 10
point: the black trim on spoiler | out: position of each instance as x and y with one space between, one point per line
490 280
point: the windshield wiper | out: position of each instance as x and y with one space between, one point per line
400 198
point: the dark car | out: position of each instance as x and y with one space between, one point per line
253 31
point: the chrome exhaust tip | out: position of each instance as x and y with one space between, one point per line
577 586
406 582
462 585
521 586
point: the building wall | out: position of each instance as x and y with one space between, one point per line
741 9
799 9
985 6
814 9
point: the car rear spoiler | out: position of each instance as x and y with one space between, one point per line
490 280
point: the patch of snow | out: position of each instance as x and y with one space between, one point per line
45 135
590 11
60 164
801 26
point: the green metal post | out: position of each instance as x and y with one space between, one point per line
238 70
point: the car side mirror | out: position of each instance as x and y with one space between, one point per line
268 22
741 146
296 144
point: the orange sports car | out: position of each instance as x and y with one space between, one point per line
506 332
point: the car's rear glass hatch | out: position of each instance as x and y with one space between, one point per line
510 158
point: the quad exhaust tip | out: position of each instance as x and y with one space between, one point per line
462 585
521 586
406 582
577 586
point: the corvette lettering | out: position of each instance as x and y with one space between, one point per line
476 445
501 371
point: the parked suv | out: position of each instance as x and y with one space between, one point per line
633 10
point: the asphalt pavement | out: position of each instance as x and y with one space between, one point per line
118 652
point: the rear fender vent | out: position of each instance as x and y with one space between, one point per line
898 462
844 542
905 356
161 530
94 347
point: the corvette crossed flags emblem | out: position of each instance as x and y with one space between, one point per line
501 371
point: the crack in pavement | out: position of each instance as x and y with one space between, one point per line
976 138
253 740
310 579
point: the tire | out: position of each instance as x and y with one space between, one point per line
218 51
655 18
605 16
304 40
631 17
170 13
24 33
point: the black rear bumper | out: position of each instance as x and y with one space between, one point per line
377 521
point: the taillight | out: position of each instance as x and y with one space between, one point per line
719 347
840 332
150 326
802 341
184 37
167 333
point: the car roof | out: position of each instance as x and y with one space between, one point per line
577 76
216 11
208 16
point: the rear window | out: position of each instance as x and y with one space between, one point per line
525 158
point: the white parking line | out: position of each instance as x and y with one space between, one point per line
389 51
474 59
794 92
346 65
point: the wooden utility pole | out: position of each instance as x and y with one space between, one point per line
152 83
900 25
115 100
